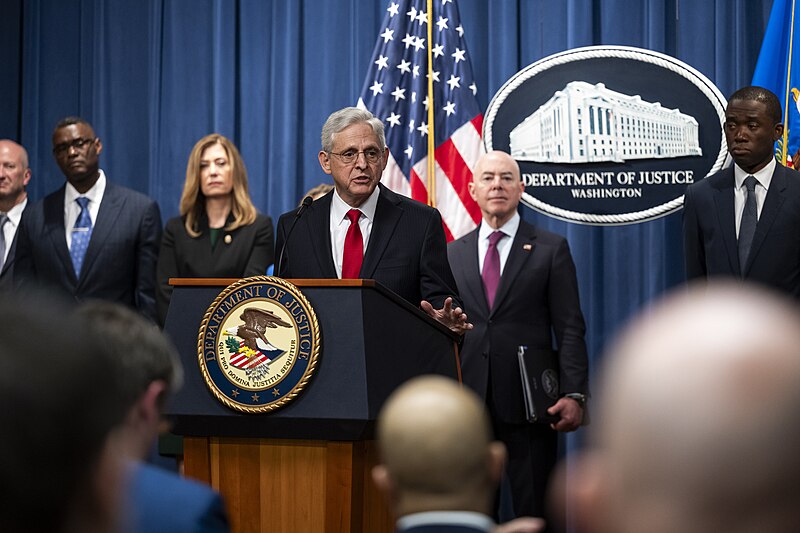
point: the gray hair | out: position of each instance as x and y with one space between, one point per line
346 117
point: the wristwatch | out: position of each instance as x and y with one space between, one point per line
578 397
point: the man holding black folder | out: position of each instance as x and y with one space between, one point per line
519 286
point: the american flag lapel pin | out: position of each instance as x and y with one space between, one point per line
527 247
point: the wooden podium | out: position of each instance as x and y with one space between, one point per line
306 467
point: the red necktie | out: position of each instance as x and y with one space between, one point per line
491 267
353 247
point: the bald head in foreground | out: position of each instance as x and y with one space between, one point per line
698 428
438 457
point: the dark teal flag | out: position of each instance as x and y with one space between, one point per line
778 69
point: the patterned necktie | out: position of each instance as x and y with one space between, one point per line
747 227
353 247
81 234
3 220
491 267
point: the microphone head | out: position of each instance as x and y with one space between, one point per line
307 201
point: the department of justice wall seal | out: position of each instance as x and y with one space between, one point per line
258 344
608 135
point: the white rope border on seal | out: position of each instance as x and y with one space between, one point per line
624 52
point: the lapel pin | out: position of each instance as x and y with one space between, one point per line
527 247
228 239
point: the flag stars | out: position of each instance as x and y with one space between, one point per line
423 129
422 17
413 97
425 103
377 88
450 108
458 55
419 43
441 23
382 62
408 40
454 82
412 14
473 88
393 119
409 151
411 125
445 2
388 35
415 71
460 30
393 9
399 93
404 66
435 76
438 50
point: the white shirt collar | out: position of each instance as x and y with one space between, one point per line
339 207
15 213
509 228
460 518
763 176
95 194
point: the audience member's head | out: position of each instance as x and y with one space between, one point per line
436 449
698 428
14 174
60 401
77 151
215 170
148 367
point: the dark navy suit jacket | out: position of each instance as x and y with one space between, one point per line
406 251
709 232
160 501
120 262
7 273
537 300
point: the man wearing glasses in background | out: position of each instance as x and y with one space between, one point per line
363 230
90 238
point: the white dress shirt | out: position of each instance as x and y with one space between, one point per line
10 227
339 223
450 518
72 209
503 245
763 177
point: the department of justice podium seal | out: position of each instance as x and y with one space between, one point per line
259 344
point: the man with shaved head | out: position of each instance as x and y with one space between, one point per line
14 177
519 287
697 429
440 466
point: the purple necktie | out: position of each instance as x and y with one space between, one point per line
491 267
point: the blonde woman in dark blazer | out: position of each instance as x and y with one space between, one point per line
219 233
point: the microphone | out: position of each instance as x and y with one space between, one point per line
300 210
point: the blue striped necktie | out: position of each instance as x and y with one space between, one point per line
81 234
747 227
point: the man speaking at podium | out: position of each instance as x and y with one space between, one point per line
363 230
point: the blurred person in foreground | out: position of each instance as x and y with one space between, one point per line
439 466
219 233
59 469
149 369
697 428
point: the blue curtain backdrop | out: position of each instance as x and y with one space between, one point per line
153 76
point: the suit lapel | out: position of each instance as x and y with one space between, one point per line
55 231
386 216
468 261
723 198
521 249
110 208
319 234
772 206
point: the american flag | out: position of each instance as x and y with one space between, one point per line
241 360
396 91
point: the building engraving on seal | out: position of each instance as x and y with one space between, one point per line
585 123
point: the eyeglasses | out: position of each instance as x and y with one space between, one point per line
79 145
372 155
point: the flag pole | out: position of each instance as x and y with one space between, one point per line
785 142
431 130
